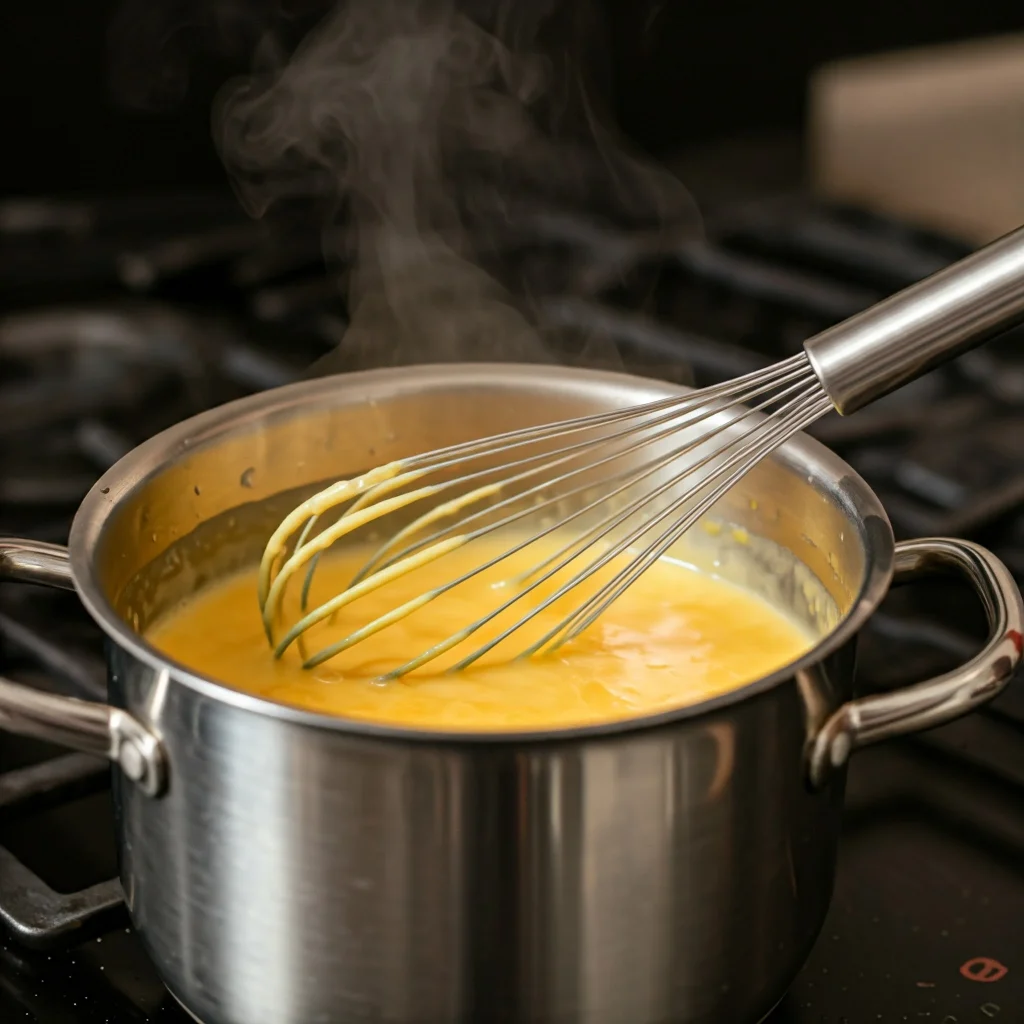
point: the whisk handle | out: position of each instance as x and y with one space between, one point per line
915 330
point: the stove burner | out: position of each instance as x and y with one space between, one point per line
121 318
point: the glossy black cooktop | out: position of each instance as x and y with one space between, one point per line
141 313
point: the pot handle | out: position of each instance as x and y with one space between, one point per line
939 700
79 724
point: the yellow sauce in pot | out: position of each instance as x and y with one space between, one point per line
677 636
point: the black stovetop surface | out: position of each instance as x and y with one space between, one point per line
119 318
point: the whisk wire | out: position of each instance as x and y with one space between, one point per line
784 369
721 451
401 473
603 559
596 533
584 617
705 407
648 468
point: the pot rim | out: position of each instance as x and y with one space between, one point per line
154 454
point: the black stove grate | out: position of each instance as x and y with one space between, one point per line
121 318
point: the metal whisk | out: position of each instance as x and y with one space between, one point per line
583 473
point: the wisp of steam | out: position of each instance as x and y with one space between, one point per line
438 135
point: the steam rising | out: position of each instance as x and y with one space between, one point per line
435 139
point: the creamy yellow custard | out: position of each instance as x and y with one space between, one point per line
677 636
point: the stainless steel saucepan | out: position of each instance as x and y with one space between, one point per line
283 867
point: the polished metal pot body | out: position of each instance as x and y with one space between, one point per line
294 874
286 868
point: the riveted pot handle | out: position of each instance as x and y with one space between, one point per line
79 724
939 700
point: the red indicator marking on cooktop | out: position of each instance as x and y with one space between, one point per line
983 968
1018 640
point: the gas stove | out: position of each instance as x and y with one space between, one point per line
121 317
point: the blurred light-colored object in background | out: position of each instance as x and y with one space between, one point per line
933 135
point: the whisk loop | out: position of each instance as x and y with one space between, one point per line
593 465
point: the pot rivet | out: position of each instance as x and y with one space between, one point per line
132 762
840 750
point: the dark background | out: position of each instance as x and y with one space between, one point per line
683 72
